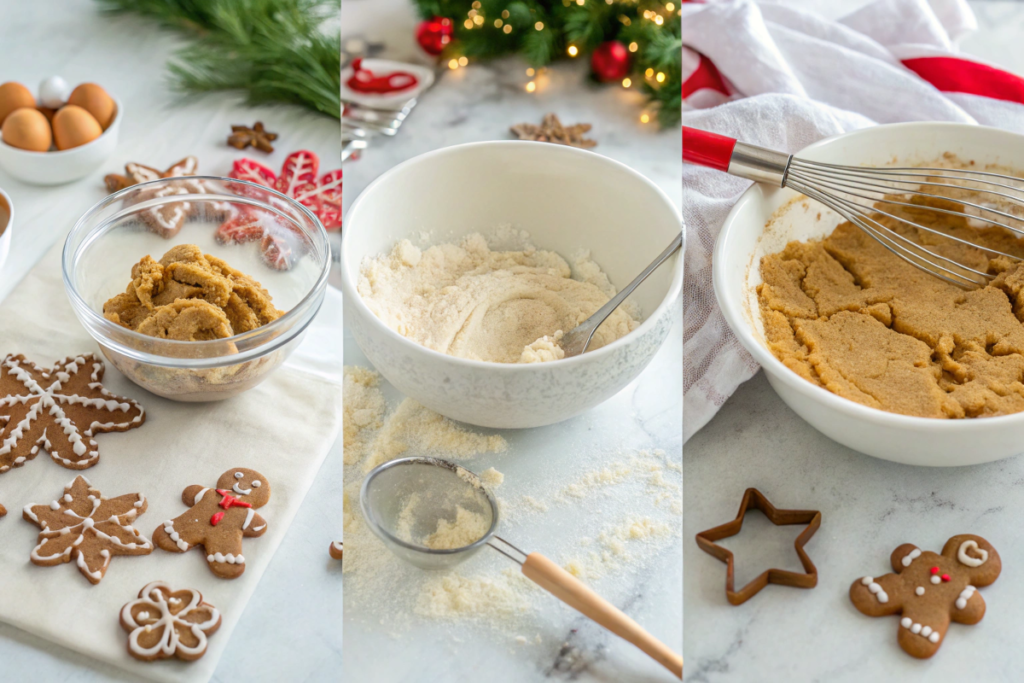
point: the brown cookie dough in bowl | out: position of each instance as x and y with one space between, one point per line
189 326
862 348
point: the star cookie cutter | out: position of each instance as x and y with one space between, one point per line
752 498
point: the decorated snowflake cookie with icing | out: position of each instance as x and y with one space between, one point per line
59 409
84 527
218 519
163 623
930 590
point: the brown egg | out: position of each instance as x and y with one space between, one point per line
96 101
27 128
74 126
47 112
14 96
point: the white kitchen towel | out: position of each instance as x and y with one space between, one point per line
775 76
283 428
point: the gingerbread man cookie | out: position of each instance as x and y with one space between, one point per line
930 590
218 519
60 409
162 623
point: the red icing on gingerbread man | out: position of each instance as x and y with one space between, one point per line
218 519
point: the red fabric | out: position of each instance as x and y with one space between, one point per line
951 74
705 76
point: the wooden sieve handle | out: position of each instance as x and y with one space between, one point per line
577 595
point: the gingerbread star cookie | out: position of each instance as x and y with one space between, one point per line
85 527
59 409
162 623
930 590
218 519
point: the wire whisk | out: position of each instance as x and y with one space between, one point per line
881 200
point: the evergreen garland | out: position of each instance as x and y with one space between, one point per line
543 30
273 50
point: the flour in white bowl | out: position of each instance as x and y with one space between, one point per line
468 300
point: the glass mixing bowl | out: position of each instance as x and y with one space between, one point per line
287 252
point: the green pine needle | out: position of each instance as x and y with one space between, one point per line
272 50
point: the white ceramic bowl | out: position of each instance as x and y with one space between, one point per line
59 167
6 229
566 199
744 240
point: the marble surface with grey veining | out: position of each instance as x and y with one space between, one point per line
480 103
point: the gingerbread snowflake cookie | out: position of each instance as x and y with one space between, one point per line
59 409
87 528
162 623
929 590
218 519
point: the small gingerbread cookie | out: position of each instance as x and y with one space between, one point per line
336 549
218 519
59 409
930 590
163 623
85 527
3 511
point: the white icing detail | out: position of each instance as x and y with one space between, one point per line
54 505
248 518
935 578
906 622
174 535
875 588
154 599
51 401
225 559
260 527
911 556
965 595
926 631
919 590
916 628
240 491
199 496
961 554
256 484
934 637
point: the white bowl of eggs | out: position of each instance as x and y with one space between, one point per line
62 137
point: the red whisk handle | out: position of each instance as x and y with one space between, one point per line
736 158
707 149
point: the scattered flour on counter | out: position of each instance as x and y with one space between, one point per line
414 427
492 478
503 596
487 591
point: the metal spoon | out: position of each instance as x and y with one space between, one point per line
406 498
577 340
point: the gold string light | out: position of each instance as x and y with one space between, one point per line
626 82
531 86
645 118
573 51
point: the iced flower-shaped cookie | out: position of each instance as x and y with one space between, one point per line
85 527
60 409
929 590
218 519
162 623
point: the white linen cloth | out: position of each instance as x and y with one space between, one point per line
283 428
793 78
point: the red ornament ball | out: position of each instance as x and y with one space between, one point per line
610 61
433 34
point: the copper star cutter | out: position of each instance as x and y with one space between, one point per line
753 498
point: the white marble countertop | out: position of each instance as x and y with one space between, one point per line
869 507
480 103
291 629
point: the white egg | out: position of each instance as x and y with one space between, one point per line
53 92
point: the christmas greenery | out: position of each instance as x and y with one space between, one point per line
544 30
273 50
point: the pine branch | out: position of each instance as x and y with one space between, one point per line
273 50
